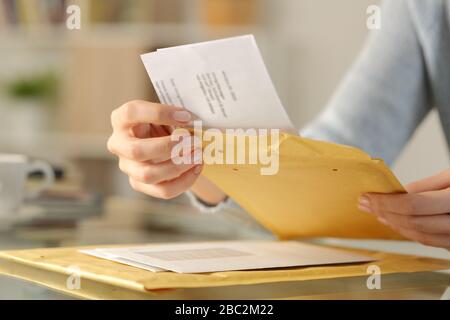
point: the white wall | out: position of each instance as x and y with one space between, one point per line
311 45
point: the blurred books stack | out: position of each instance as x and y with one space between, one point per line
31 12
53 12
68 205
62 206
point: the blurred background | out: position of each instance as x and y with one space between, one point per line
59 86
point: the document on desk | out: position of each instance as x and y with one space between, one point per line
105 254
204 257
223 82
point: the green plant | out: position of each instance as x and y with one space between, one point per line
42 87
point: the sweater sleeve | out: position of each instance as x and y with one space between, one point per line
384 97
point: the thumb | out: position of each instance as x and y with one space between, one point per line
436 182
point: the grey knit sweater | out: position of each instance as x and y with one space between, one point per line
401 74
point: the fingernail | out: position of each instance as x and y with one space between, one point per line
364 201
198 169
182 116
364 208
364 204
382 220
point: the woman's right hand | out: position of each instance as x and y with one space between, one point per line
141 139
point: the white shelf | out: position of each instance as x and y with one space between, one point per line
115 34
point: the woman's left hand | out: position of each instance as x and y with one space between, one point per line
422 214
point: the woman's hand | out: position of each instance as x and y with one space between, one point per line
141 139
423 214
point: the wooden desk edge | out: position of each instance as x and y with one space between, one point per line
96 290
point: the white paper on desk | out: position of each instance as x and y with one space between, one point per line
234 255
223 82
100 253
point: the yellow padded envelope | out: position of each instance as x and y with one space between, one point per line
314 193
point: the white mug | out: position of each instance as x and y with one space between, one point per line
14 171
